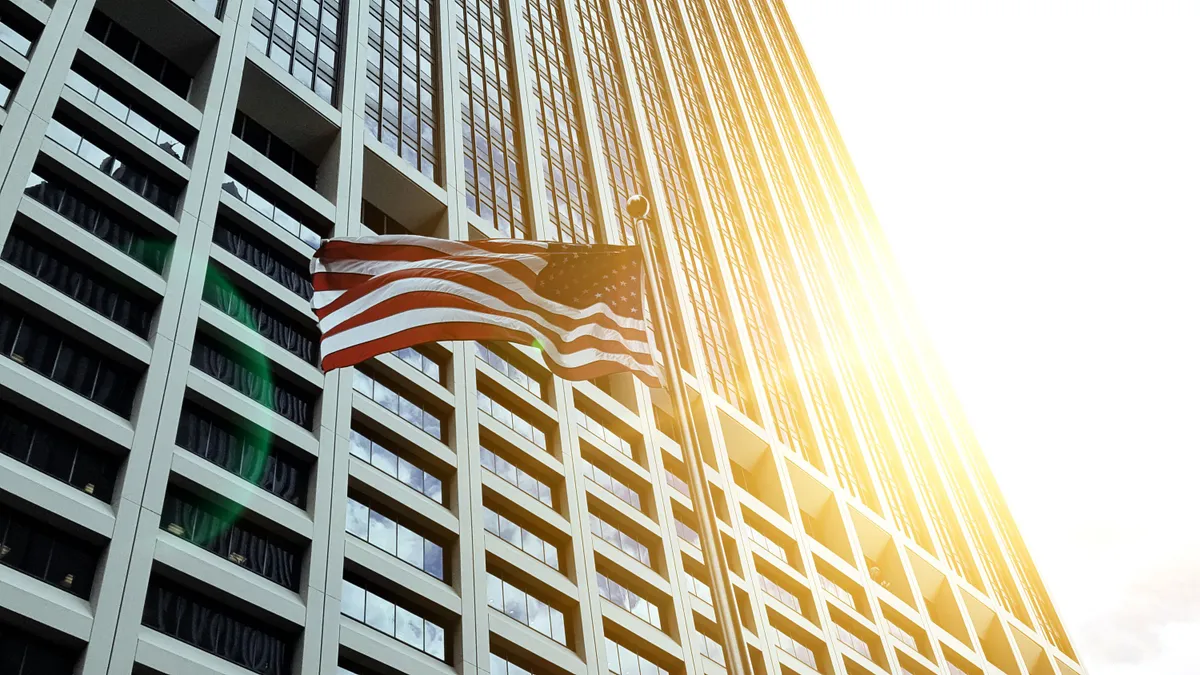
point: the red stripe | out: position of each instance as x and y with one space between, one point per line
340 281
478 283
433 299
599 368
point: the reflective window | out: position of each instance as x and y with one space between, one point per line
698 588
245 451
46 553
679 484
393 620
524 608
222 532
49 449
272 209
383 532
687 533
491 131
274 148
520 537
613 485
605 433
756 536
394 465
716 330
415 413
568 178
516 476
902 635
501 666
624 661
779 593
510 370
77 281
710 648
851 640
304 38
629 601
247 372
417 359
835 590
127 113
132 175
617 537
505 416
796 649
401 104
50 353
144 57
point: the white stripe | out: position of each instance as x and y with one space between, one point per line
373 268
401 287
501 278
446 246
417 318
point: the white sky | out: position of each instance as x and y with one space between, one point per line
1036 165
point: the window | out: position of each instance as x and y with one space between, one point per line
698 588
250 375
686 533
779 593
416 414
613 485
568 179
401 108
524 608
47 553
617 537
902 635
24 654
56 453
506 417
141 55
851 640
393 620
836 591
624 661
491 137
796 649
710 647
305 41
195 619
679 484
259 317
77 281
501 666
757 536
287 273
222 532
380 222
7 84
422 362
245 451
129 114
605 433
274 148
214 7
89 215
270 208
629 601
510 370
48 352
516 477
115 164
383 532
17 34
391 463
520 537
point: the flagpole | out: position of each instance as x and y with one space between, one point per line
736 661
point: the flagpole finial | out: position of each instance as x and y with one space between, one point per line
637 206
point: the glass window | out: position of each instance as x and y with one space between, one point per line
526 609
411 411
291 47
383 532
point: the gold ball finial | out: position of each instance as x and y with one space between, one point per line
637 206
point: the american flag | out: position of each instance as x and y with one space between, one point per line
580 304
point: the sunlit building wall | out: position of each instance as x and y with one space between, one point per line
183 491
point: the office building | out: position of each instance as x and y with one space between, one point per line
183 491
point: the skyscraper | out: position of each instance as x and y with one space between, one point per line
183 491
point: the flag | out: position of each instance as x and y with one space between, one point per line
580 304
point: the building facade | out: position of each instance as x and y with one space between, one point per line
183 491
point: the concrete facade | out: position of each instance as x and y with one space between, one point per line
862 529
